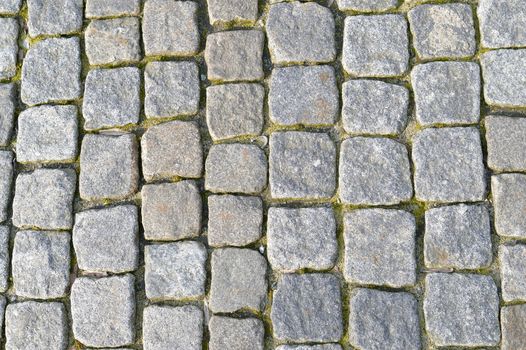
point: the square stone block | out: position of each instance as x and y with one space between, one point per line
53 17
233 333
10 7
8 42
509 202
7 112
4 260
367 5
506 143
502 24
512 262
105 8
228 11
6 180
512 320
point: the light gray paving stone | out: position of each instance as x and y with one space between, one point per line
111 98
303 95
235 334
10 7
238 280
380 247
171 211
44 199
40 265
383 320
32 325
108 167
509 202
4 260
53 17
103 310
301 238
7 112
300 32
461 310
176 328
443 31
234 110
106 240
9 48
504 73
175 270
51 71
6 181
367 5
375 46
302 165
310 347
374 171
228 11
307 308
104 8
47 134
502 24
172 89
236 167
512 320
235 55
447 92
506 143
169 28
512 262
113 41
458 237
234 220
172 149
448 165
374 107
3 303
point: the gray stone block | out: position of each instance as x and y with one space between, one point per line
235 334
373 312
4 260
53 17
380 247
171 211
44 199
8 43
310 347
106 240
3 303
512 262
506 143
448 165
7 112
6 181
301 238
238 280
375 46
227 11
374 171
175 270
307 308
502 24
461 310
103 310
47 134
302 165
104 8
512 320
367 5
10 7
509 203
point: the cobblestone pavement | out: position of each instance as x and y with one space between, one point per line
249 175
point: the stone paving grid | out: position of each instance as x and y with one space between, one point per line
216 135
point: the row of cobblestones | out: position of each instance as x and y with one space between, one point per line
244 174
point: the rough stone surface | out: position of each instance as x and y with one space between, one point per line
103 310
303 95
47 134
106 240
6 181
175 270
367 5
8 43
302 238
447 92
227 11
234 220
234 110
458 237
44 199
512 262
235 55
300 32
235 334
169 28
238 280
380 247
174 328
374 107
4 260
506 143
105 8
7 112
307 308
113 41
51 71
171 211
513 321
374 171
310 347
509 201
108 167
172 149
10 7
461 310
172 89
375 46
236 168
448 165
32 325
502 23
383 320
443 31
111 98
302 165
52 17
